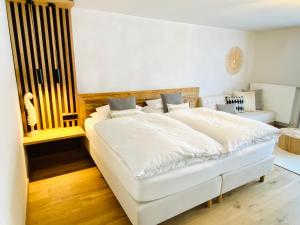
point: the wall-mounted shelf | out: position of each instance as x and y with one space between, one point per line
57 134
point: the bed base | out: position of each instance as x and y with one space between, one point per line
244 175
157 211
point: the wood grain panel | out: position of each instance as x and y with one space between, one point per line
50 68
289 143
45 80
23 74
89 102
16 63
68 64
55 63
72 55
54 135
42 43
36 63
62 63
58 3
30 65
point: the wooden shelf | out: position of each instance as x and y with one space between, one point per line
54 135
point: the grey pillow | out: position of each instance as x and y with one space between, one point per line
122 103
229 108
258 98
171 99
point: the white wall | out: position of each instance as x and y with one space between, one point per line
277 59
277 55
13 184
116 52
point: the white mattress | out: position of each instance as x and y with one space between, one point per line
259 115
177 180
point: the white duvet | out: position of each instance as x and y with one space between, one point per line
231 131
150 144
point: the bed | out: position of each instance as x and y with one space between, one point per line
158 198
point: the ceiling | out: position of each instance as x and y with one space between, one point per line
249 15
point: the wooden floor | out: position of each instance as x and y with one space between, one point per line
83 197
58 164
56 158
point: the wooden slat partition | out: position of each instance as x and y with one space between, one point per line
16 64
62 64
42 44
22 74
43 64
73 65
36 63
55 63
67 54
50 67
67 4
29 64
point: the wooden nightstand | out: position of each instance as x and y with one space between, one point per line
56 151
54 135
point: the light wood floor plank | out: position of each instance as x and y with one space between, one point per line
84 198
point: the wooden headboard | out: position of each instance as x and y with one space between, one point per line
89 102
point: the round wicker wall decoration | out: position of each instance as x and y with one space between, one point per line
234 60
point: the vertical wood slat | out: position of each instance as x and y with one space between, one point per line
52 85
55 63
23 74
62 65
67 56
16 64
41 38
36 62
45 81
30 67
66 4
74 83
21 49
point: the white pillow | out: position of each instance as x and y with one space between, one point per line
249 100
155 103
148 109
102 113
103 108
100 116
139 107
127 112
183 106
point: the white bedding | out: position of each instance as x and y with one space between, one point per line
231 131
151 144
176 180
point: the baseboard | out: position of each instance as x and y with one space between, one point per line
27 202
281 125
